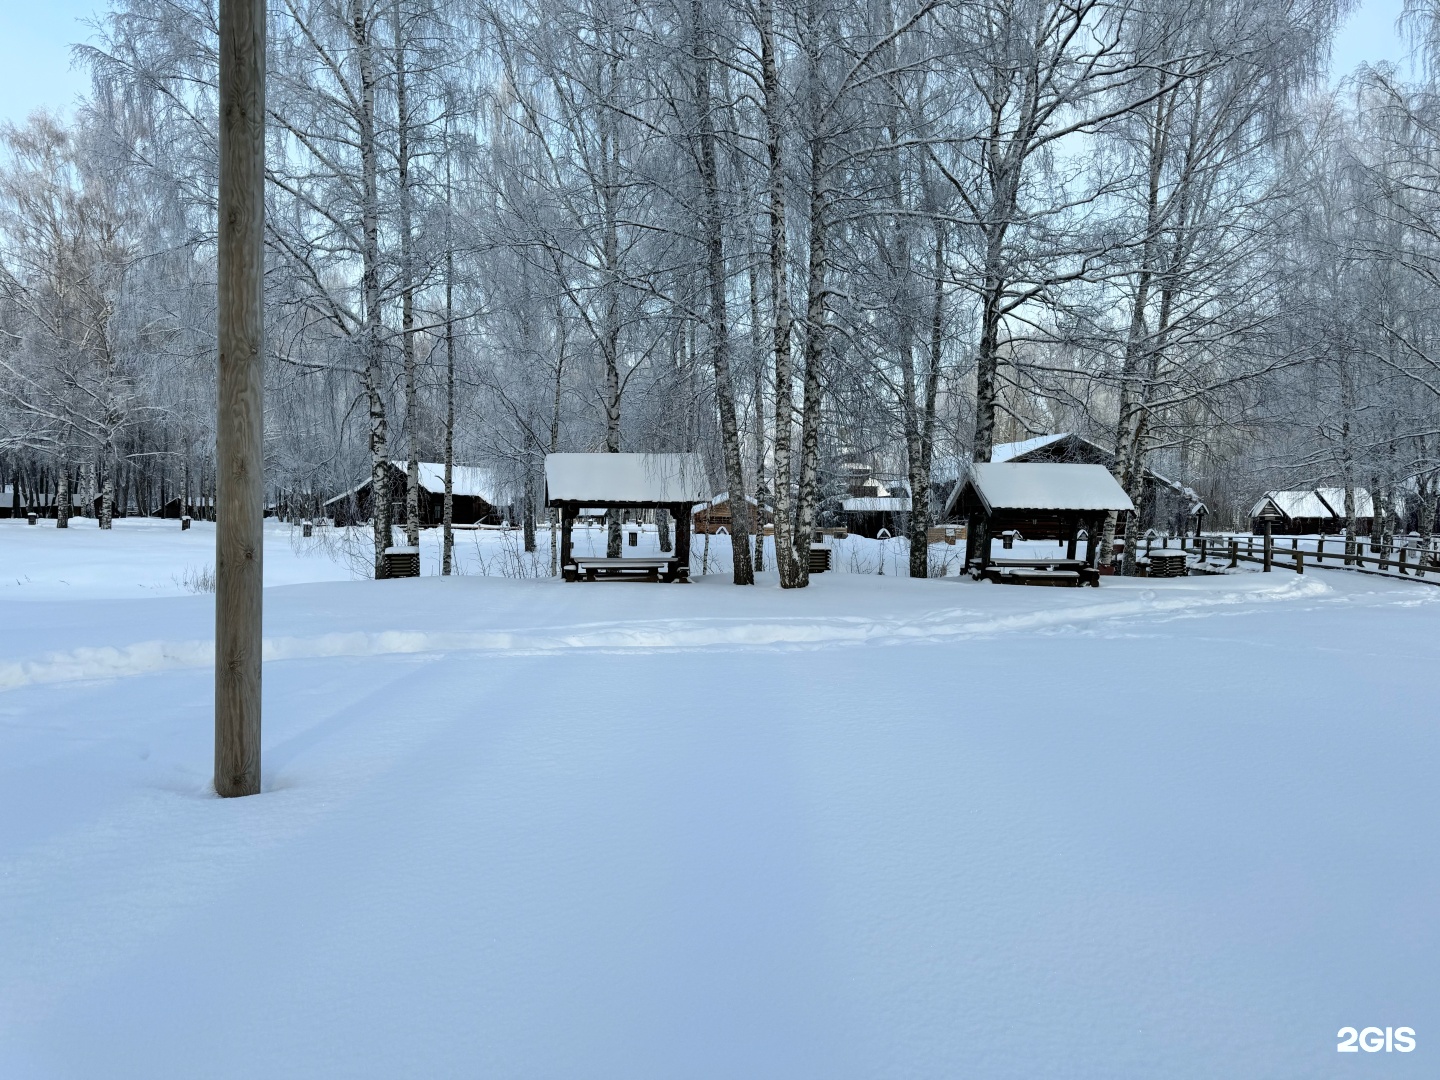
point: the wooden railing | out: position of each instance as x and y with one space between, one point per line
1289 553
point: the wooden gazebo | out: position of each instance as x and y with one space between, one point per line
673 482
1038 501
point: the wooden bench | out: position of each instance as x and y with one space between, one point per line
1058 571
659 568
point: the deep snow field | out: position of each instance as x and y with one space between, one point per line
517 828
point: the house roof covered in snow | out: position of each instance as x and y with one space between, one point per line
466 481
891 504
470 481
622 479
1011 450
1319 503
1335 498
1047 486
1294 504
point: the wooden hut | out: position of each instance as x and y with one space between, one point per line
1308 512
475 495
870 515
714 516
636 482
1039 501
1167 504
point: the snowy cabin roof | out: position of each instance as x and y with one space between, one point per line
720 500
466 481
891 504
625 479
1319 503
1293 504
1335 498
1010 450
1047 486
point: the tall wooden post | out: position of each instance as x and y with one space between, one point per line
240 475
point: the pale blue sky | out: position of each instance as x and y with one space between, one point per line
35 39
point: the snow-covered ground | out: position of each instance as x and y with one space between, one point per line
876 828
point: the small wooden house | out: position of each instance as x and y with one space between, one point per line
1309 512
871 515
475 494
714 516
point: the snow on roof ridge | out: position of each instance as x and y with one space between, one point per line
1005 451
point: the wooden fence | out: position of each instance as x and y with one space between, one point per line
1387 560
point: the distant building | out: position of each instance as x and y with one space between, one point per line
871 505
714 516
477 500
1308 512
1165 504
38 502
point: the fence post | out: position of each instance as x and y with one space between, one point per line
1269 548
1234 553
1320 549
1402 562
1299 561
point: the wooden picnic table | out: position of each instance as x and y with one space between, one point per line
656 568
1039 571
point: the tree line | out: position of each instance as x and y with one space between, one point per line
786 234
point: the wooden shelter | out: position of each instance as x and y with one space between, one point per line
1305 513
870 515
1039 501
474 493
1166 504
714 516
673 482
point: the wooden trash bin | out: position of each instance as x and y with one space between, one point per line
1167 564
185 523
32 518
398 562
819 558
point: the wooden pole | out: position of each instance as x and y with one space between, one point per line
240 476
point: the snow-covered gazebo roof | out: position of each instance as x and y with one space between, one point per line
625 479
1047 486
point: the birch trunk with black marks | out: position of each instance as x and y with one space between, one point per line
719 325
807 494
407 285
920 466
758 350
88 494
610 331
447 514
371 343
556 397
107 488
785 561
62 496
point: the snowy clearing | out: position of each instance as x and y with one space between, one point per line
880 827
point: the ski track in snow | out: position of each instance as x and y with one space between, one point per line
821 631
